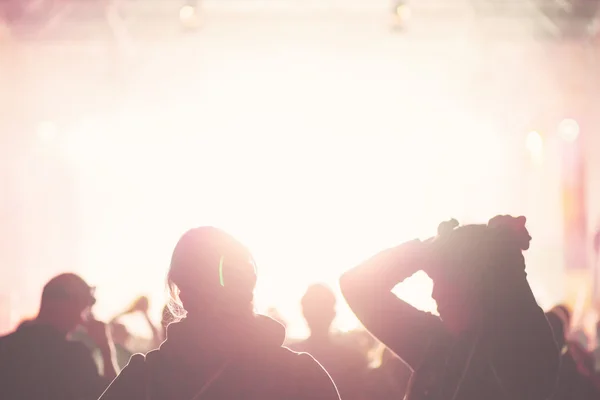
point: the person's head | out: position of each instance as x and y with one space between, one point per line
563 313
211 272
66 300
318 308
558 319
460 269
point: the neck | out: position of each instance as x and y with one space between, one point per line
48 320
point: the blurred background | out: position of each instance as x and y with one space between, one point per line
316 131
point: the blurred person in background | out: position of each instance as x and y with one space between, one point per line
219 348
491 341
346 365
39 361
126 343
121 338
575 380
390 379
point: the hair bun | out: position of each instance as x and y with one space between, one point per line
446 227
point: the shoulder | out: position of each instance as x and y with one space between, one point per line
309 375
298 347
6 339
300 364
131 382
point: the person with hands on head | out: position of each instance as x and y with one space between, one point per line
491 339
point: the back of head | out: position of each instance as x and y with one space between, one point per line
318 307
65 298
559 318
473 246
211 270
68 286
564 313
459 247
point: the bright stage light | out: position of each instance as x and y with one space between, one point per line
305 218
568 130
535 145
403 13
47 131
186 13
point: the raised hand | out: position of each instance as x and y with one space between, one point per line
514 229
141 304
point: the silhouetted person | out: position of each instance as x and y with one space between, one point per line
125 342
575 381
220 349
389 380
121 336
39 362
492 341
346 365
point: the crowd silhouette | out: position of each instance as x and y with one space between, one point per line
491 339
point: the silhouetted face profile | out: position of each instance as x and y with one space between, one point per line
66 301
212 271
458 268
318 308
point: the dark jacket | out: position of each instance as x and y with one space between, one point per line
572 383
37 362
241 360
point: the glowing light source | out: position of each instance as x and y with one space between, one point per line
187 12
188 16
403 13
535 145
568 130
82 144
47 131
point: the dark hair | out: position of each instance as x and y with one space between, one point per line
205 258
68 287
459 244
480 239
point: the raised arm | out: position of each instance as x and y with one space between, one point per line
401 327
524 353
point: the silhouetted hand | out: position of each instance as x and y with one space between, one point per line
141 304
98 332
512 229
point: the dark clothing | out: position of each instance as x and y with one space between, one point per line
390 380
572 384
513 356
347 367
231 360
37 362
